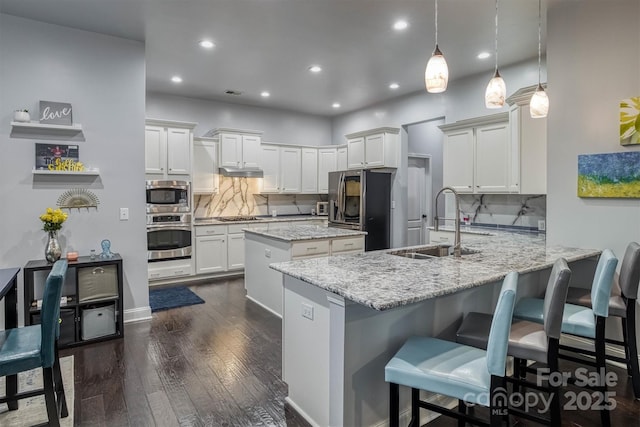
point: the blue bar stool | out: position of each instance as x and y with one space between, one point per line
622 304
467 373
529 340
587 322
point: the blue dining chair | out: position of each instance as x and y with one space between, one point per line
470 374
580 321
30 347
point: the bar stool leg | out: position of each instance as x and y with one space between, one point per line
552 362
630 338
605 417
415 408
394 405
462 408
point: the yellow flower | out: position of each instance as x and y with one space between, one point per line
53 219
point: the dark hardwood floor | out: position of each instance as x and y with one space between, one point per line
218 364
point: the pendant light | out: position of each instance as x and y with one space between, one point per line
496 89
436 76
539 105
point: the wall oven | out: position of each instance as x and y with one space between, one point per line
168 236
167 196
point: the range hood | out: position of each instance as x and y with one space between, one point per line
241 172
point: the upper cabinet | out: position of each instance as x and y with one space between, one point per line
373 148
327 162
309 170
238 148
529 137
204 170
281 166
476 155
342 158
168 148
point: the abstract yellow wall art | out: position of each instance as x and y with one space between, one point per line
630 121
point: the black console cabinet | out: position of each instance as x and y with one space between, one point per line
91 308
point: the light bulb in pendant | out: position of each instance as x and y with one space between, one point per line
496 92
436 76
539 104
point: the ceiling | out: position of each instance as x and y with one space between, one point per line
268 45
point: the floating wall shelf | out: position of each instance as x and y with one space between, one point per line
35 125
32 130
92 172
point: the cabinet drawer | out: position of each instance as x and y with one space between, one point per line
173 268
210 230
236 228
316 248
347 245
97 282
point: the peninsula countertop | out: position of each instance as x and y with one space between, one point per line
383 281
261 220
295 232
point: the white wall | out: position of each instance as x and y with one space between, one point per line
280 126
104 79
594 62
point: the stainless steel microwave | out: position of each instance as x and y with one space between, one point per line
168 196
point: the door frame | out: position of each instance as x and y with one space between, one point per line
426 197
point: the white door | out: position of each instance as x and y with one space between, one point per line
458 160
374 150
290 170
250 151
342 159
235 251
309 171
230 150
418 193
270 162
178 151
154 149
204 177
492 158
211 254
327 162
355 153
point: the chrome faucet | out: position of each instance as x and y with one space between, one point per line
457 249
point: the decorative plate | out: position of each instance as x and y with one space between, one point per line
78 198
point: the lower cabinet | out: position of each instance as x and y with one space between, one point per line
235 247
91 304
211 249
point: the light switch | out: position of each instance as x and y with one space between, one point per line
124 214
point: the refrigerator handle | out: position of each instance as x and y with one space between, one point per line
363 201
341 183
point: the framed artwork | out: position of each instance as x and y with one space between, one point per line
47 154
630 121
57 113
615 175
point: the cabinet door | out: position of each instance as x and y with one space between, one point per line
528 151
154 149
235 251
290 161
230 150
250 151
211 254
457 156
492 158
355 153
342 158
309 171
374 150
327 162
205 177
178 151
270 160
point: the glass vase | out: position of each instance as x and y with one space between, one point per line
53 251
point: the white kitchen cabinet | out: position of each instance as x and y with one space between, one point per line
290 169
168 148
477 155
327 162
238 148
163 270
374 148
528 144
270 164
342 158
309 170
235 251
211 249
205 168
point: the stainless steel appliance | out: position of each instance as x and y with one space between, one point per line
168 236
168 196
361 200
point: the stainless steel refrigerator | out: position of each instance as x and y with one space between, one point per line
361 200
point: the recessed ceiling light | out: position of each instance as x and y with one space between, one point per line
336 105
400 25
483 55
265 94
176 79
315 68
394 86
207 44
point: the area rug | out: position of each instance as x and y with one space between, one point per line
166 298
33 410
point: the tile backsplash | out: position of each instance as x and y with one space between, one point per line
241 196
503 209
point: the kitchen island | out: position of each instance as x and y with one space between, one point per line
276 242
361 308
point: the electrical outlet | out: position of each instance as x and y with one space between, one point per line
267 253
542 225
124 214
307 311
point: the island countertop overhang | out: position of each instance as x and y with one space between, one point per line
383 281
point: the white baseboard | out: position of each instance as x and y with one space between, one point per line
301 412
264 306
137 314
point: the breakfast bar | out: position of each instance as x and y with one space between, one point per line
344 317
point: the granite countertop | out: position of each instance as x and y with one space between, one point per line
294 232
383 281
259 220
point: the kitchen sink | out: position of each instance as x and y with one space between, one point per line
430 252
